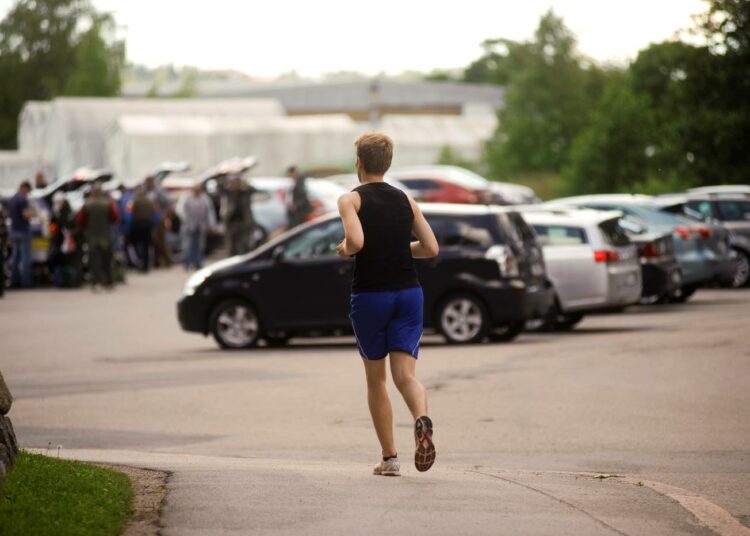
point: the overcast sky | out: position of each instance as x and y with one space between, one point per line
275 36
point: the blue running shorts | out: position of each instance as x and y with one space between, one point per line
389 320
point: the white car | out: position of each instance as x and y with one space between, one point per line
590 261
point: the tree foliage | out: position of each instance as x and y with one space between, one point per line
548 96
54 47
678 115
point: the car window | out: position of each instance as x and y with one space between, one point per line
701 207
613 233
734 210
472 231
318 241
560 235
421 184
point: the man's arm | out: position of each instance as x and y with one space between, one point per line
354 236
426 245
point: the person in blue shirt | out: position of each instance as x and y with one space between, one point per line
20 236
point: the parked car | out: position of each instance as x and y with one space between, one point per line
732 211
453 184
702 251
591 262
487 281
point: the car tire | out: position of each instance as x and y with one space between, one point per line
684 294
741 269
507 332
462 319
235 324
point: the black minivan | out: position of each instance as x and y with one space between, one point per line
488 279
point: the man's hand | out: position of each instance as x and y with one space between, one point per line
341 250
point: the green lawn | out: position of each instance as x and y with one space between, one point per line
43 495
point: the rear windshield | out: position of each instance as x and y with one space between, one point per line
560 235
613 233
471 231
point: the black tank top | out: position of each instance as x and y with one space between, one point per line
385 261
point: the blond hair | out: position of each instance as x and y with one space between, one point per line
375 151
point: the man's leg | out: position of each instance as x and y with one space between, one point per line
380 404
402 369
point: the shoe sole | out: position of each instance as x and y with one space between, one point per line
425 454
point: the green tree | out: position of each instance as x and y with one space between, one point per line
612 153
550 90
50 48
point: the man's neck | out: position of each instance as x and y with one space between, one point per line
369 179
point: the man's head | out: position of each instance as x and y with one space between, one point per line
292 172
150 182
197 189
374 153
25 187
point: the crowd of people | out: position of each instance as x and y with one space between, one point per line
129 228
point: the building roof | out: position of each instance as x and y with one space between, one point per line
352 95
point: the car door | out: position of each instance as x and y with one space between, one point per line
310 283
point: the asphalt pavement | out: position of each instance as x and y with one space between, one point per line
634 423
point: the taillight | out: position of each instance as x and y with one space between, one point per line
505 260
606 255
649 250
703 232
682 232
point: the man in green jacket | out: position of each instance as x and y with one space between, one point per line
96 218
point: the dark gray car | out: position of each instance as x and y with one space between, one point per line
731 211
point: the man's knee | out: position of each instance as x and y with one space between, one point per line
402 379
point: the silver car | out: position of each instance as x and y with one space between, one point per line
590 261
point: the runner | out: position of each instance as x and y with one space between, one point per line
386 299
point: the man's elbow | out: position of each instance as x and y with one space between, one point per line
433 249
355 244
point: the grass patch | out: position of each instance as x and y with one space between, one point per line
43 495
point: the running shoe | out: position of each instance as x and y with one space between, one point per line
389 467
424 456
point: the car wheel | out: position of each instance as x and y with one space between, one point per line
235 324
682 295
741 269
462 318
508 332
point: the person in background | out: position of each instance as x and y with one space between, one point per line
39 181
299 206
62 243
196 220
96 218
163 206
124 207
4 243
237 215
141 226
20 236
